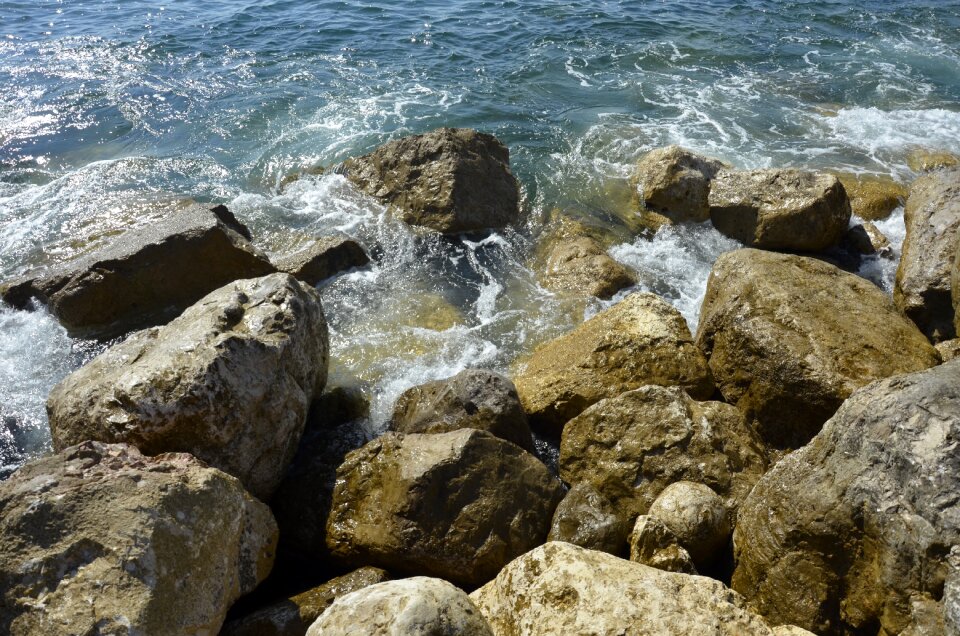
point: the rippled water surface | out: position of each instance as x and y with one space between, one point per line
110 110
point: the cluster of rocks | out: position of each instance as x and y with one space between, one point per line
791 466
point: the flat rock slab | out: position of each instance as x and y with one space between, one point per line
325 257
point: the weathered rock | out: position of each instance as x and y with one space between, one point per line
932 216
652 543
147 276
561 589
419 606
640 340
789 338
455 505
698 518
450 180
229 381
790 630
780 209
581 265
865 238
951 593
293 616
99 539
474 398
927 159
676 182
634 445
850 534
948 349
586 518
873 197
325 257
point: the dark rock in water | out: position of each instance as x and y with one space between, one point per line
229 381
588 519
851 533
780 209
581 265
456 505
147 276
923 286
100 539
676 182
865 238
474 398
450 180
325 257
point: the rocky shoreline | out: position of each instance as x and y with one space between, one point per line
789 468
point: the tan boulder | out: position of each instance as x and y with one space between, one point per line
322 258
641 340
948 349
652 543
581 265
789 338
676 182
873 197
928 159
99 539
588 519
698 517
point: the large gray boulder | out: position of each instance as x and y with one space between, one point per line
455 505
676 182
789 338
229 381
146 276
782 209
923 285
450 180
851 533
100 539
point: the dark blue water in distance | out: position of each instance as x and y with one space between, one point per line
112 110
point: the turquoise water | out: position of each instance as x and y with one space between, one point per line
111 109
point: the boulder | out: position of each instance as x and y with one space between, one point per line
928 159
99 539
641 340
873 197
586 518
851 533
780 209
455 505
581 265
450 180
652 543
229 381
948 349
474 398
561 589
632 446
324 257
419 606
146 276
923 286
293 616
866 239
697 517
790 338
676 183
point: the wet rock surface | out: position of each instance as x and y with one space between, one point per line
324 257
676 183
697 517
581 265
873 198
652 543
588 519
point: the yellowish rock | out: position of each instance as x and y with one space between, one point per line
928 159
873 197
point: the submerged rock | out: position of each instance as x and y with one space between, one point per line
474 398
922 290
99 539
229 381
789 338
652 543
588 519
581 265
456 505
450 180
641 340
698 518
928 159
873 197
850 534
146 276
325 257
676 182
780 209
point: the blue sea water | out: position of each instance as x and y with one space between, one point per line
110 110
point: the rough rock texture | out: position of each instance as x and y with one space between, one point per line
653 543
147 276
324 257
581 265
698 518
586 518
865 238
560 589
99 539
419 606
927 159
474 398
851 533
948 349
789 338
229 381
872 197
450 180
293 616
641 340
455 505
932 216
780 209
634 445
676 182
